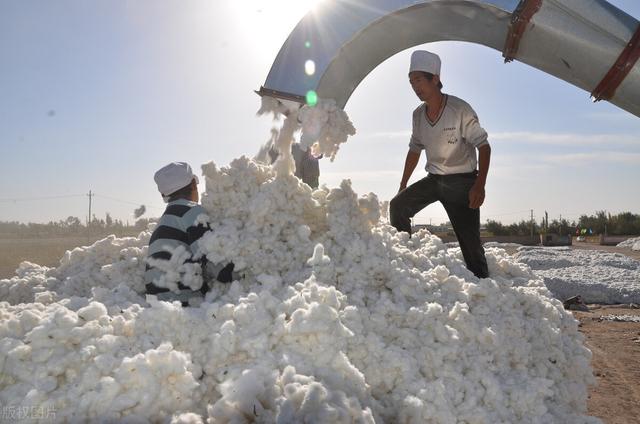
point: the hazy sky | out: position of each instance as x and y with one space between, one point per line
97 95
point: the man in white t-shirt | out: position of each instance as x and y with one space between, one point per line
447 128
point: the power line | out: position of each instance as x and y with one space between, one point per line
68 196
28 199
117 200
122 201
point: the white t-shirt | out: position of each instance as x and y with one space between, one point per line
450 142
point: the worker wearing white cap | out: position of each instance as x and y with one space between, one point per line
448 130
173 256
174 177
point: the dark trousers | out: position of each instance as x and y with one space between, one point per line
453 192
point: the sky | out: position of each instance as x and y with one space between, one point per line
98 95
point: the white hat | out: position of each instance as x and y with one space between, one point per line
173 177
422 60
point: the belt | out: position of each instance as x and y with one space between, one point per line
462 174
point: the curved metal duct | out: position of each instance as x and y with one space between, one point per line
588 43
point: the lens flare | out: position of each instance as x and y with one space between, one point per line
310 67
312 98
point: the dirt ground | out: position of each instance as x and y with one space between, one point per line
615 345
616 364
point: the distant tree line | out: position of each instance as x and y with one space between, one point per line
72 226
625 223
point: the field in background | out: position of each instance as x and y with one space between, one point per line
43 251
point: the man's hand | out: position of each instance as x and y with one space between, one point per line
476 195
402 187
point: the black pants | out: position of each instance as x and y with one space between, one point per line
453 192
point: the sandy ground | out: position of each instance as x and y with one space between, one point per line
616 364
615 345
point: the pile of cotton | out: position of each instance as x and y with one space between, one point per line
337 318
632 243
597 276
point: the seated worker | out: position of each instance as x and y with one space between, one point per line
177 234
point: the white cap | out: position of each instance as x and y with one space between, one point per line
422 60
173 177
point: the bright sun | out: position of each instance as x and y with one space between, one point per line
272 18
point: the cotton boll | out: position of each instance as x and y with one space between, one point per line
318 258
92 312
304 232
187 418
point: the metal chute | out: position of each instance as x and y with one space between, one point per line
588 43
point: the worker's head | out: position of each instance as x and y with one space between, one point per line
177 181
424 74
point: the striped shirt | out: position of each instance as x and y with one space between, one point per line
177 228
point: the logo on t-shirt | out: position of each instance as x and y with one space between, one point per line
451 137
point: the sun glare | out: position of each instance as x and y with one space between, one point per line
272 18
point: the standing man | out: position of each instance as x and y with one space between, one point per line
447 128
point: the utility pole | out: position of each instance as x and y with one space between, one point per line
90 195
531 223
546 221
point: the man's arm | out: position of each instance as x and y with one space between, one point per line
415 148
476 194
410 164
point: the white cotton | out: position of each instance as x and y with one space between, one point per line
336 318
632 243
187 418
304 231
93 311
597 276
318 258
324 128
